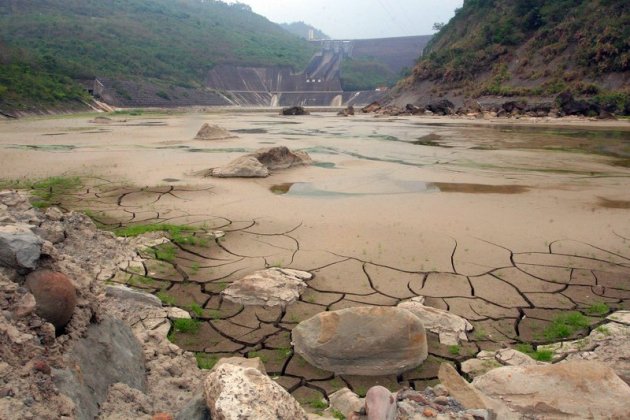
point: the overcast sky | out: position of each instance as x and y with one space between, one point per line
359 18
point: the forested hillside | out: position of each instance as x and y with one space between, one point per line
46 43
529 48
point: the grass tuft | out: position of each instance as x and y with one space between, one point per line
206 361
184 325
565 325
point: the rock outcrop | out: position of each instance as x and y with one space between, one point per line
577 389
270 287
213 132
108 354
367 341
260 163
450 327
237 392
242 167
294 110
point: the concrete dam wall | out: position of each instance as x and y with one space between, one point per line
319 84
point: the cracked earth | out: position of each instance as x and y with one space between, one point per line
501 226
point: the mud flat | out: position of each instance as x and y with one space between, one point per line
505 224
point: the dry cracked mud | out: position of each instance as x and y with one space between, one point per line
507 226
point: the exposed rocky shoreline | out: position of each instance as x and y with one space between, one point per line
105 354
563 105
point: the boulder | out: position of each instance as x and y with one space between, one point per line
570 106
108 354
294 110
450 327
213 132
281 158
369 341
414 110
236 392
346 112
380 404
261 162
270 287
19 247
55 295
244 167
373 107
514 107
576 389
441 107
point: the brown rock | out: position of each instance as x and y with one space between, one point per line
41 366
55 296
213 132
162 416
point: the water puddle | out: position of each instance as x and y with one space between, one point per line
432 140
614 204
326 165
44 147
454 187
385 186
352 188
223 150
250 131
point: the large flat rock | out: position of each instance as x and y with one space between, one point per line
576 389
369 341
270 287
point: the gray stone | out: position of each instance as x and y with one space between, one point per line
577 389
243 167
109 353
195 409
346 402
369 341
450 327
270 287
234 392
19 247
124 292
51 231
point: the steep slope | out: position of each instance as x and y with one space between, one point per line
527 48
174 42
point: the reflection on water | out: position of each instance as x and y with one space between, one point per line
389 187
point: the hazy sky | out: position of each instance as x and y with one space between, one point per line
359 18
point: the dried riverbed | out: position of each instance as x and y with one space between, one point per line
507 225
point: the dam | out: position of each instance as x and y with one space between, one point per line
320 83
